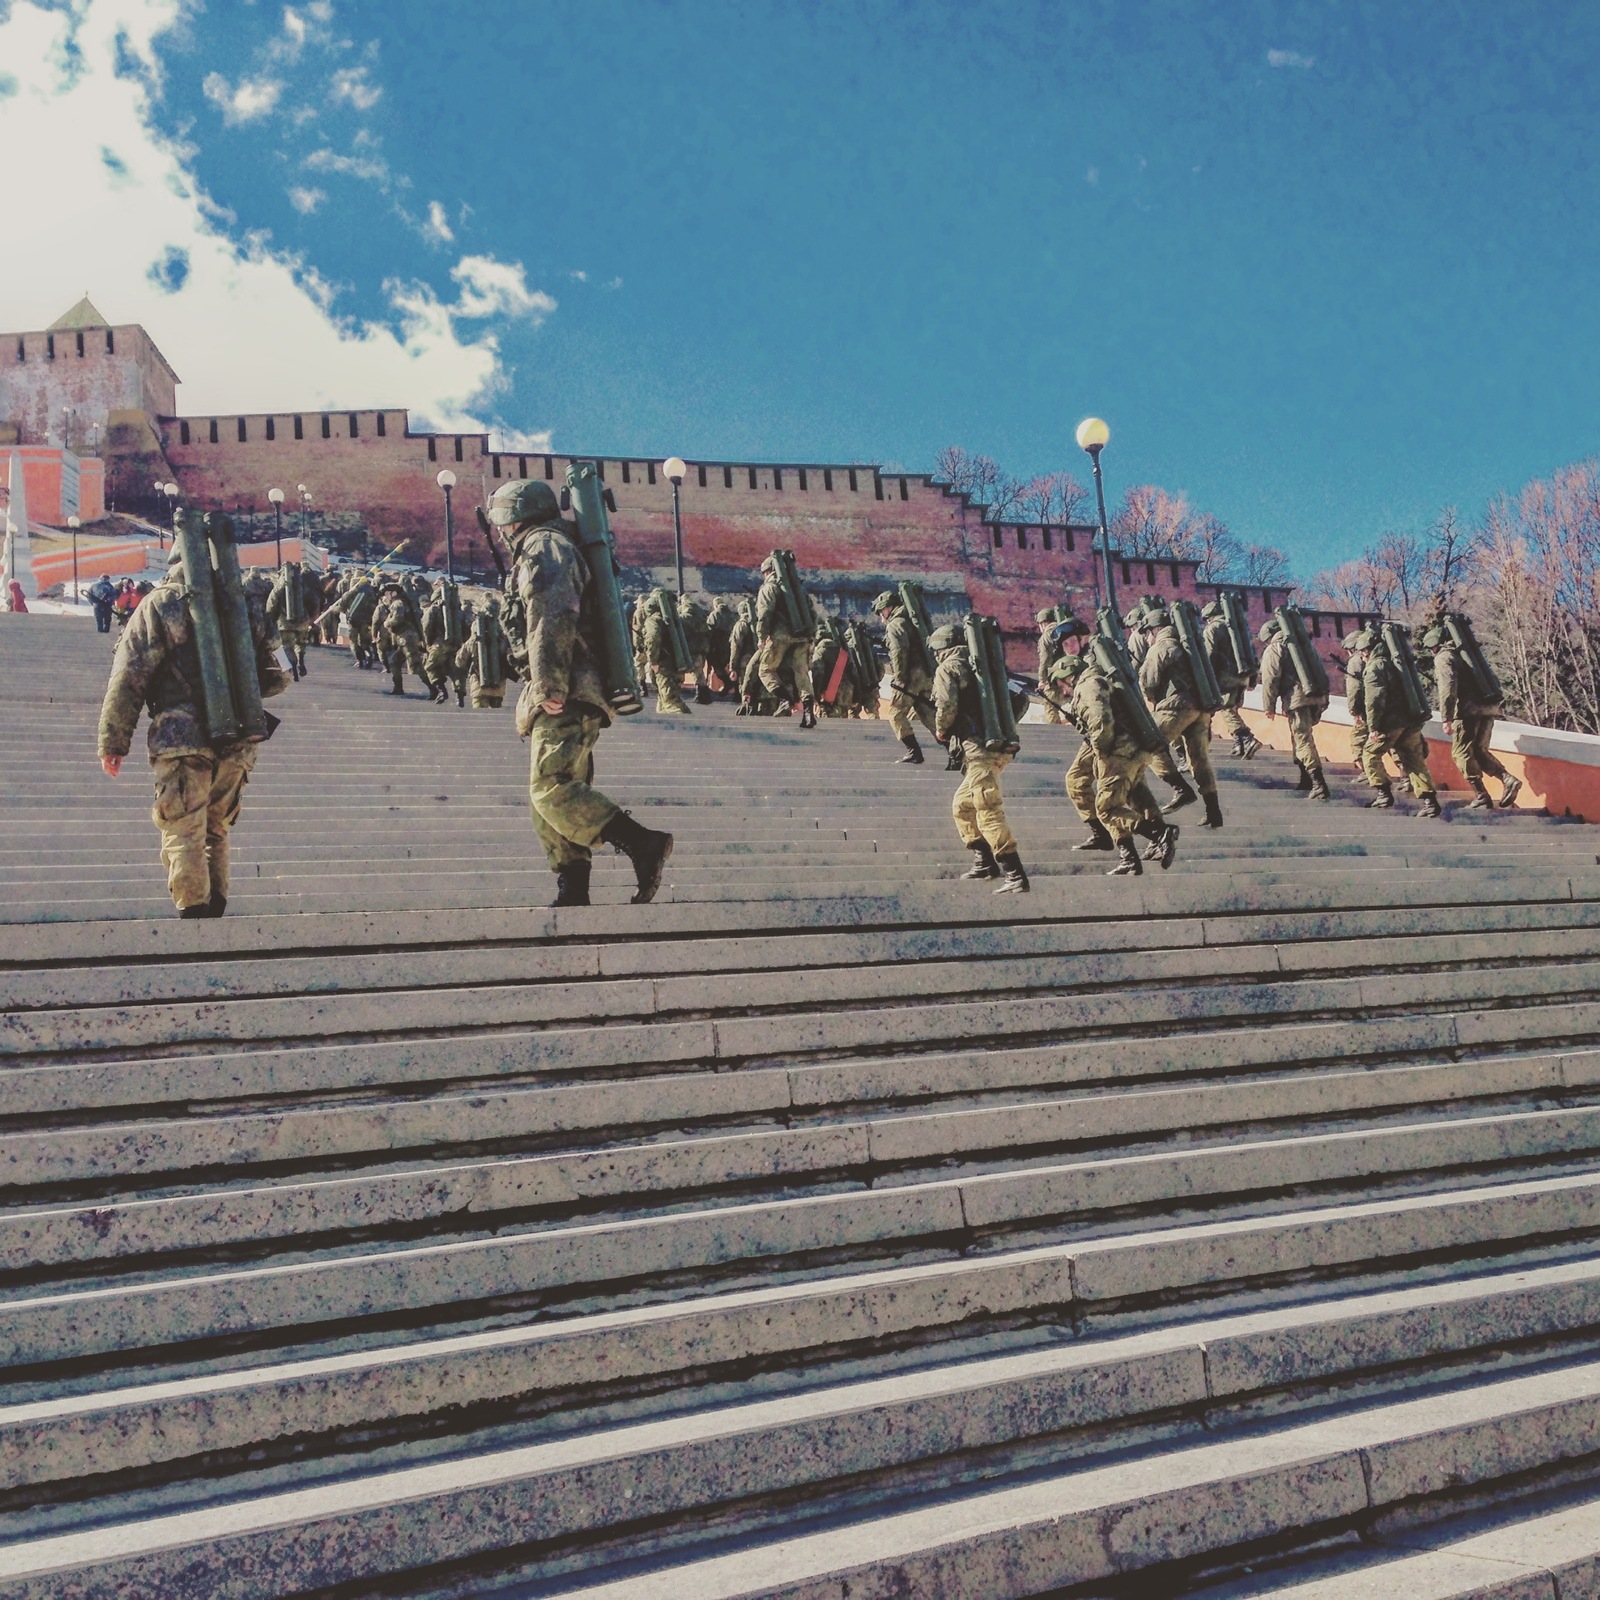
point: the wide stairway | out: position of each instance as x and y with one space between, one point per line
831 1229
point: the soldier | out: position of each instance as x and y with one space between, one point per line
357 602
439 662
978 807
288 610
659 658
401 628
910 682
562 709
1357 646
1051 650
485 657
635 611
333 586
1468 717
1281 685
1393 728
785 657
741 649
692 618
719 636
1167 679
199 783
824 659
1219 647
1105 782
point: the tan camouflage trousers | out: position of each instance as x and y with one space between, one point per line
785 669
978 807
1234 725
1358 743
197 802
1469 744
1302 719
1112 789
568 811
1409 749
903 707
408 646
481 699
669 691
1194 729
440 665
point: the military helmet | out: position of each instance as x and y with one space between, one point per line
769 564
886 601
1135 617
1212 608
1157 617
948 637
1435 638
1047 615
1067 668
1353 641
522 500
1366 639
1270 629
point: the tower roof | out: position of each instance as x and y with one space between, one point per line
82 315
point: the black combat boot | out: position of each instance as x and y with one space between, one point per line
1015 880
1304 785
1384 800
648 850
572 884
785 709
747 708
1213 811
1250 747
702 694
1237 748
955 758
190 912
1182 795
1319 786
808 714
1510 788
217 904
1430 806
913 755
983 862
1480 800
461 698
300 657
1099 837
1128 862
399 686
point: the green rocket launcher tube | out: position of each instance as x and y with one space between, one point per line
1245 660
978 656
1308 668
864 663
216 692
1412 689
999 682
588 503
1192 636
666 606
486 649
1131 705
233 612
450 597
1459 628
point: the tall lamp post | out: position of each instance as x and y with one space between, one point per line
305 506
170 490
72 522
1093 436
447 481
276 497
676 471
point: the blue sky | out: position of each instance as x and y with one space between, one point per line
1326 267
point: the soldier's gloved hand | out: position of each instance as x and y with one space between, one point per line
111 765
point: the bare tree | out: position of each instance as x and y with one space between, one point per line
1055 497
1212 547
982 480
1451 552
1265 565
1151 522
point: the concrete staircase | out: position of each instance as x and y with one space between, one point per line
828 1229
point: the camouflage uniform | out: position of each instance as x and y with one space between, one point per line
978 806
742 644
290 608
910 683
719 637
399 626
1166 677
692 619
332 589
658 655
824 659
1051 651
1280 685
486 693
551 583
784 658
439 663
1393 729
1219 647
1470 718
1355 664
358 599
199 782
637 611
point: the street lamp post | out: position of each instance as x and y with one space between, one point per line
447 481
72 522
170 492
676 471
1093 435
276 497
305 504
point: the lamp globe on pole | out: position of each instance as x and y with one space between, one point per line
447 481
676 470
1093 435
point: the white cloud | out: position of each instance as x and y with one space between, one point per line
491 288
350 87
244 325
1290 58
372 169
305 201
437 228
246 101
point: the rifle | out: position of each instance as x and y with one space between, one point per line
371 573
494 549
